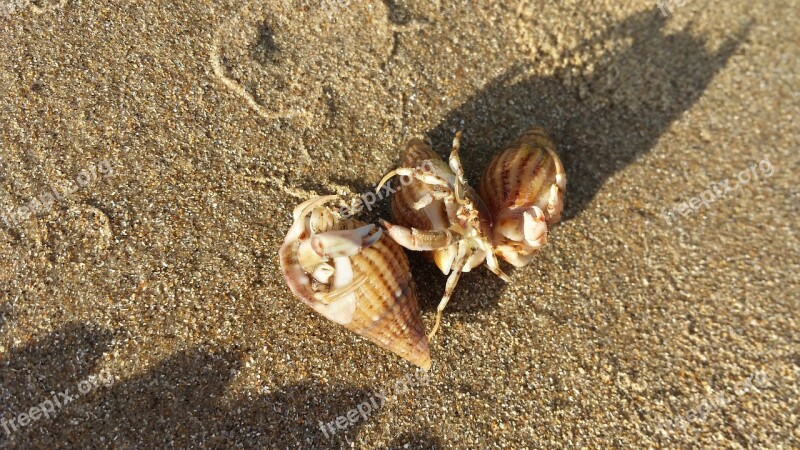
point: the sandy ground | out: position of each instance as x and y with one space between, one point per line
151 154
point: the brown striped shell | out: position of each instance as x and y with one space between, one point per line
352 274
415 153
523 188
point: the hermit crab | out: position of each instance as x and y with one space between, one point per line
522 193
523 187
354 275
437 211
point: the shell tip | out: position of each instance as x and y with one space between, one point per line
424 363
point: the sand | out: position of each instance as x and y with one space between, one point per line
151 154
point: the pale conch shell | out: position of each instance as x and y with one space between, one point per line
353 274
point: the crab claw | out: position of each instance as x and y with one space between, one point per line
534 227
335 244
323 273
420 240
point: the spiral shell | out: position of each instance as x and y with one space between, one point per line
523 187
352 274
416 152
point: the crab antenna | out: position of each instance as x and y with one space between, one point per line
385 179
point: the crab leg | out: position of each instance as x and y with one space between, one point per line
458 169
474 260
420 240
452 280
494 265
304 208
555 204
339 293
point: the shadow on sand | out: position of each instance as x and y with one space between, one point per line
183 401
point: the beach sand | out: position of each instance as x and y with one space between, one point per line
151 154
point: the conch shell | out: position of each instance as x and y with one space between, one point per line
352 274
523 187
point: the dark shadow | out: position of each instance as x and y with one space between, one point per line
294 415
399 14
265 51
35 372
6 313
629 101
416 440
188 399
